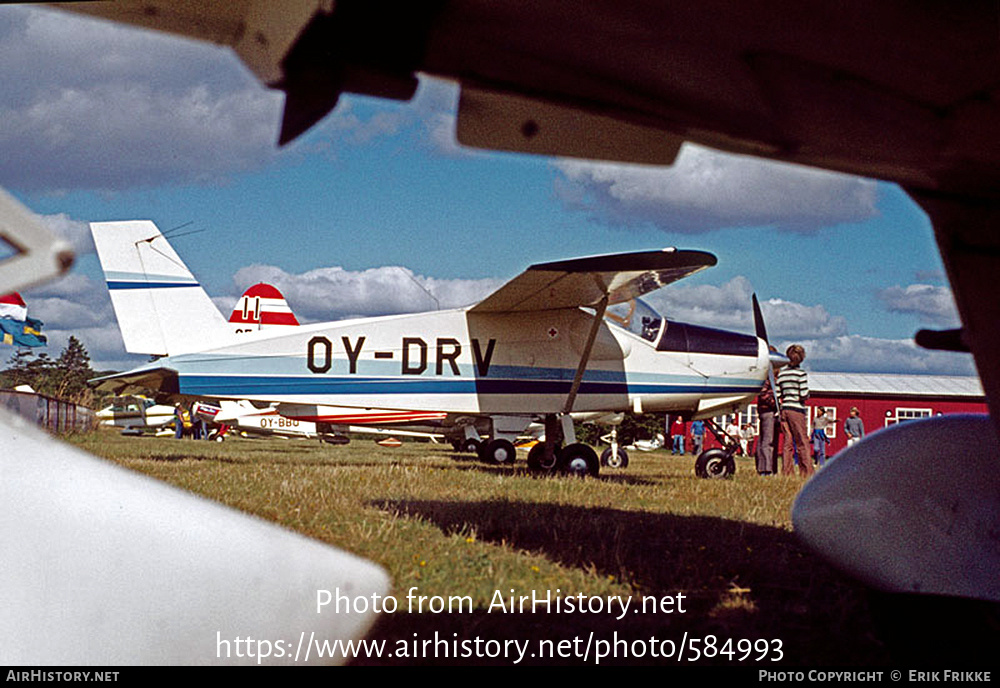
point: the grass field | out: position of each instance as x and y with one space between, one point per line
453 527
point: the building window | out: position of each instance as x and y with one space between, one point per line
905 414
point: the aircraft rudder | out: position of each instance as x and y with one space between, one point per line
262 306
161 308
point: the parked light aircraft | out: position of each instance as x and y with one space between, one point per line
527 351
243 417
135 414
896 90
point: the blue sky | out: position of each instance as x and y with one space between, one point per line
102 122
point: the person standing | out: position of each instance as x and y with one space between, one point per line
854 427
697 436
793 391
746 439
178 422
677 431
819 438
767 439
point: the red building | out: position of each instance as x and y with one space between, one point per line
882 400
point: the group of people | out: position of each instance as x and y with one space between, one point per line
678 432
799 447
781 413
189 424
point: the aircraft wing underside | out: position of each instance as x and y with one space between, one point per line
586 281
142 380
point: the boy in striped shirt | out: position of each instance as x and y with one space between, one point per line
793 390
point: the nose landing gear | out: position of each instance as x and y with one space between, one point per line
717 463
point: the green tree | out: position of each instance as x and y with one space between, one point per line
71 372
64 378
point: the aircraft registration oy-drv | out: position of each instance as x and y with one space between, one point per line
563 337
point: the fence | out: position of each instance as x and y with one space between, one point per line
53 414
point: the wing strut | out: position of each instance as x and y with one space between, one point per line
585 356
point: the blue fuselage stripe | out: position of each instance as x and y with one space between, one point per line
237 385
149 285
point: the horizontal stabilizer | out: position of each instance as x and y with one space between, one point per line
586 281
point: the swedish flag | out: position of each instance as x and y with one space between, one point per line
25 332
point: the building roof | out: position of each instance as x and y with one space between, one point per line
898 385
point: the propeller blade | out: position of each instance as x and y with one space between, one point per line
758 320
758 323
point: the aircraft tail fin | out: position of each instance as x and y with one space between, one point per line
261 307
160 306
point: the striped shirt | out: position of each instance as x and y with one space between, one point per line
793 388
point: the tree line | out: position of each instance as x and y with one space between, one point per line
63 378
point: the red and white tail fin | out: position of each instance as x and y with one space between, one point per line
261 307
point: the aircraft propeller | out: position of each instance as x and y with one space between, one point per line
777 359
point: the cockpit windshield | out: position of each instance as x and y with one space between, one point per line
637 317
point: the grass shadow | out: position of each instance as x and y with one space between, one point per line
740 580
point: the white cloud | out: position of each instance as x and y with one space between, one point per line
94 105
111 136
334 293
706 190
346 124
855 353
932 304
729 307
90 104
76 232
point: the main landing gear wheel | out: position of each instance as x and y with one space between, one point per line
499 452
715 463
536 459
619 460
579 460
471 446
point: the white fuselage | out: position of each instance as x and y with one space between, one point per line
465 362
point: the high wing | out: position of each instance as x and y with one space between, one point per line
586 281
154 378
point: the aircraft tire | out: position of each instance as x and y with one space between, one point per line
579 460
471 446
536 459
611 461
714 463
500 452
